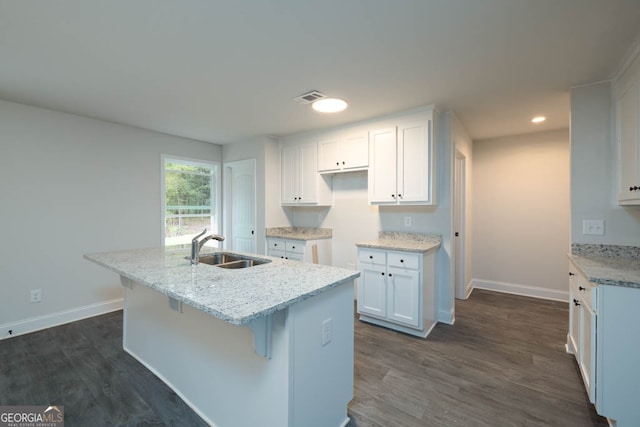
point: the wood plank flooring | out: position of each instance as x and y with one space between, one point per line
503 363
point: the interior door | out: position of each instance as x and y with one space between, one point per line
241 210
459 225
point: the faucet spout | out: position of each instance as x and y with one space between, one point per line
196 244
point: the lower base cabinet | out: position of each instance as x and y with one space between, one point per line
604 336
396 289
300 250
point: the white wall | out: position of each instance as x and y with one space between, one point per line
353 219
521 214
266 151
72 185
593 169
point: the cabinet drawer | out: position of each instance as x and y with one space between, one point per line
369 256
586 290
294 246
276 244
404 259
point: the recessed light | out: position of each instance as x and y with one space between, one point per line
538 119
329 105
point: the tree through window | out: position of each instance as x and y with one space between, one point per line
191 199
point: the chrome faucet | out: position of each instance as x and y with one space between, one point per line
196 244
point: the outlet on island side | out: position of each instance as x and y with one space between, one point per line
407 221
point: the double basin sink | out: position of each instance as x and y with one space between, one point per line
231 261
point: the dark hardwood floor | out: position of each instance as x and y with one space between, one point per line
503 363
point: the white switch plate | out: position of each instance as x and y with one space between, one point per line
594 227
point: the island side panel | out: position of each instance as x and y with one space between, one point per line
322 374
209 363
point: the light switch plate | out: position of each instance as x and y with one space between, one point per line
594 227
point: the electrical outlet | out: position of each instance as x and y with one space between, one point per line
35 295
407 221
594 227
326 331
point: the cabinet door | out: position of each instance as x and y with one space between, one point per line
382 167
355 152
289 175
628 147
574 322
403 296
587 350
414 163
329 155
308 171
372 292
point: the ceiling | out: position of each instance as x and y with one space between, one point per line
223 71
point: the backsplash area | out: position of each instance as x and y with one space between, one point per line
605 250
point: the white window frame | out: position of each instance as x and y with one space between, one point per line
216 190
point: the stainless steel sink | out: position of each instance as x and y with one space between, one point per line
243 263
231 261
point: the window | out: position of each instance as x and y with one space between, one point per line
191 199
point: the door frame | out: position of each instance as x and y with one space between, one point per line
228 200
462 291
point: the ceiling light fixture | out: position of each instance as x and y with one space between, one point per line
329 105
538 119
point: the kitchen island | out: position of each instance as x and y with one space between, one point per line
270 344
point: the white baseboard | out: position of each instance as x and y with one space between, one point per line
446 316
46 321
524 290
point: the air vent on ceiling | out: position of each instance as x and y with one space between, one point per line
309 97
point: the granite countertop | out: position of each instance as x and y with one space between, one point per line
299 233
608 264
410 242
237 296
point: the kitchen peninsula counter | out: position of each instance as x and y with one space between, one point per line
237 296
270 344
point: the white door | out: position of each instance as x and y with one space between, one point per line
413 162
308 171
372 291
459 225
289 175
240 195
403 296
329 155
355 152
382 166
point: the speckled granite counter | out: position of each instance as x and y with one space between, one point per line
608 264
235 296
410 242
299 233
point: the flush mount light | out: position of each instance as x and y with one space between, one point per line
538 119
329 105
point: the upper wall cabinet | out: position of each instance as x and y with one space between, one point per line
301 184
343 153
628 123
401 164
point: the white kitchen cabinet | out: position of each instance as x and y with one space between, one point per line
582 327
604 326
343 152
301 184
300 250
396 289
628 133
401 164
